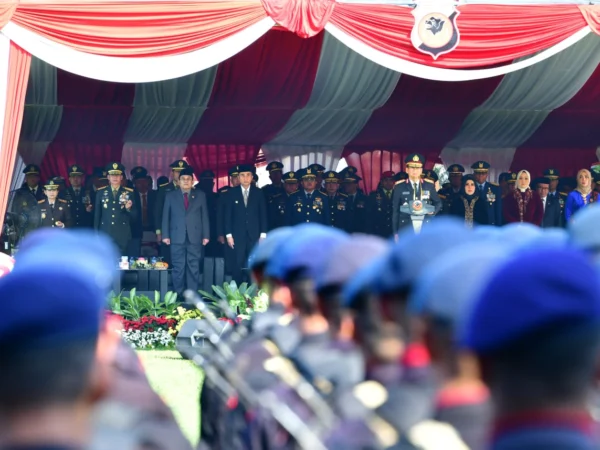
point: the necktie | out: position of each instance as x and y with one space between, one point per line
389 194
33 191
115 192
245 197
186 201
145 210
481 190
76 191
309 195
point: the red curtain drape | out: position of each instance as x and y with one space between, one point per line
306 18
219 158
60 155
19 62
257 91
7 9
421 115
156 158
489 34
371 165
567 160
138 28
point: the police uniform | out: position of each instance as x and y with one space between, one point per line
37 192
358 203
561 197
490 193
276 207
271 190
340 213
448 194
405 193
111 216
302 207
78 201
54 214
380 210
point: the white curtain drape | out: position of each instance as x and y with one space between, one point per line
347 89
42 115
521 103
134 70
165 114
322 156
500 159
435 73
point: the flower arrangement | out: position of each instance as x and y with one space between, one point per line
154 323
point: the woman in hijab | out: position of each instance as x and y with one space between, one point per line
523 205
467 204
582 196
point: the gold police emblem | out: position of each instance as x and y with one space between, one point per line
180 163
435 32
115 166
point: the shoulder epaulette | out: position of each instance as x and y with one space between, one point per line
128 189
494 184
564 193
399 181
41 201
62 200
442 196
103 187
342 194
276 195
321 192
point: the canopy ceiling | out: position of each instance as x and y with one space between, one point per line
314 100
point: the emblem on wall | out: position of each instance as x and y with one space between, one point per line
435 32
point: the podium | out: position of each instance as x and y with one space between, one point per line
417 211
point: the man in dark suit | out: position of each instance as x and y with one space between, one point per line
489 192
186 229
245 219
176 167
552 210
114 209
411 189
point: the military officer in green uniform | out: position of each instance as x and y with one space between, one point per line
80 200
276 208
447 194
380 207
55 212
308 205
340 212
115 209
275 169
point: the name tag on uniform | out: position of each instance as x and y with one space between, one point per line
405 193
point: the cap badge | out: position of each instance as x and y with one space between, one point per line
291 174
180 163
455 169
115 166
481 165
415 158
551 171
75 169
308 170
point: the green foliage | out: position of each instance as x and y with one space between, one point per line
181 316
134 307
243 299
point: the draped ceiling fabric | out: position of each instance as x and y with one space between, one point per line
331 79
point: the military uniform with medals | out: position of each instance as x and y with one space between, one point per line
358 204
380 211
111 216
56 215
78 201
554 174
277 204
302 207
490 194
339 205
270 190
405 193
448 194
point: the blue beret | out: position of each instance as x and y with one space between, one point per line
551 237
519 233
263 251
305 251
47 306
364 279
583 229
345 260
525 295
83 251
413 252
446 287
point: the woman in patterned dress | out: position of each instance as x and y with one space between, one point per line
523 205
467 204
582 196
